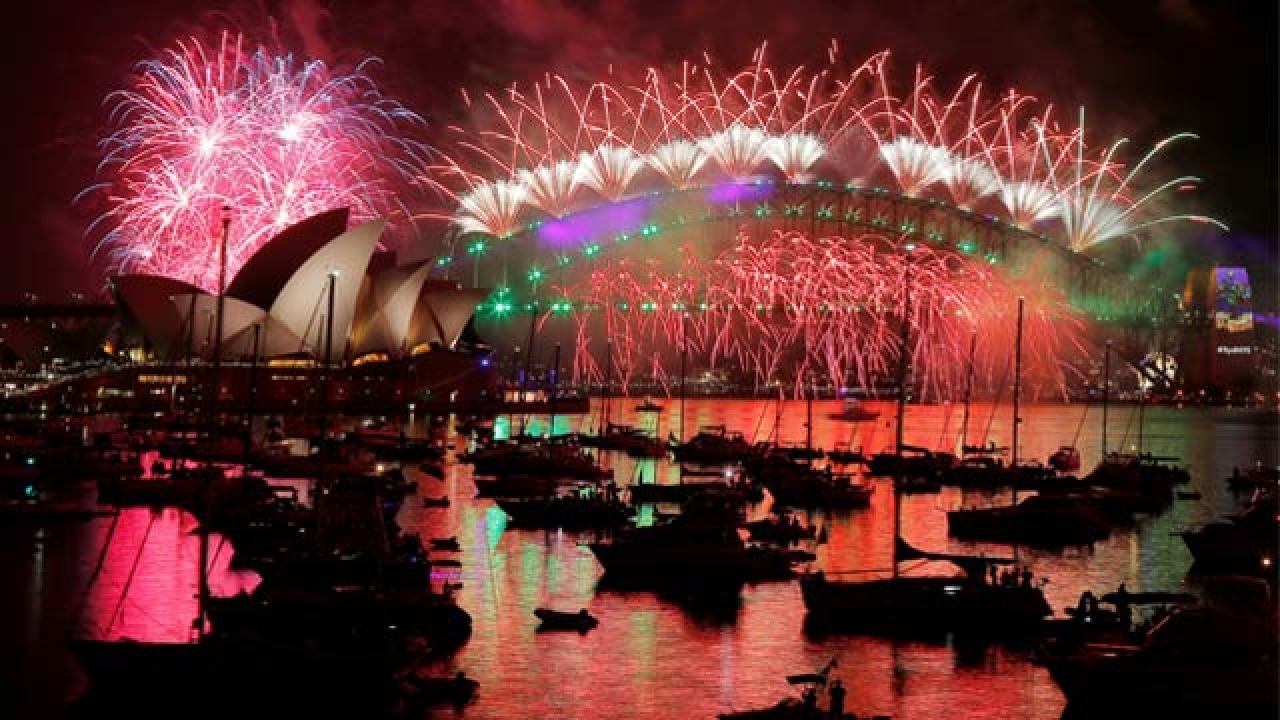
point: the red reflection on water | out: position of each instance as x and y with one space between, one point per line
146 586
651 659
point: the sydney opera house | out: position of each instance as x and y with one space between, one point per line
318 320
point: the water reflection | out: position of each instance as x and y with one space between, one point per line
652 657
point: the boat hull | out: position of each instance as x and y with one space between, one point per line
907 605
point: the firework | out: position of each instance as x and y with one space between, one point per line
785 200
273 138
571 145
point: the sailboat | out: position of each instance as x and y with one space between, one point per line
973 597
1043 519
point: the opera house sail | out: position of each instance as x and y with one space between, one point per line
311 303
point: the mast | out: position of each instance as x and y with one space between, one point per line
253 395
808 424
903 353
1017 390
1106 391
1142 408
684 354
202 595
328 367
528 367
555 388
968 389
604 387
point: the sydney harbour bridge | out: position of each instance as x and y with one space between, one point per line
640 271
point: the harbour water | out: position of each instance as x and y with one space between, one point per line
652 658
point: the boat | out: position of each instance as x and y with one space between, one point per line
1199 661
1118 617
785 530
1254 478
844 454
701 545
910 461
712 445
808 705
446 544
1065 459
1056 520
723 480
580 621
627 438
582 508
1245 543
794 709
925 593
795 485
419 689
1042 520
649 406
854 411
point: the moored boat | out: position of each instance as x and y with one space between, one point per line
1199 661
929 595
580 621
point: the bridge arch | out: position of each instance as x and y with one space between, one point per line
645 203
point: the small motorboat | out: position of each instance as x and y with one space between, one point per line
807 706
421 689
854 411
1065 459
449 544
649 406
580 621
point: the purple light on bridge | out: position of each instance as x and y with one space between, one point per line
593 224
731 192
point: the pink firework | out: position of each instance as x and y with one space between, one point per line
561 146
273 138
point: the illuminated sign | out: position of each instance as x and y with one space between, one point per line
1234 350
1232 309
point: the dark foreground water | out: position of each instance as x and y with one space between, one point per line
650 658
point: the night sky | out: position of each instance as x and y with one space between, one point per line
1142 69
